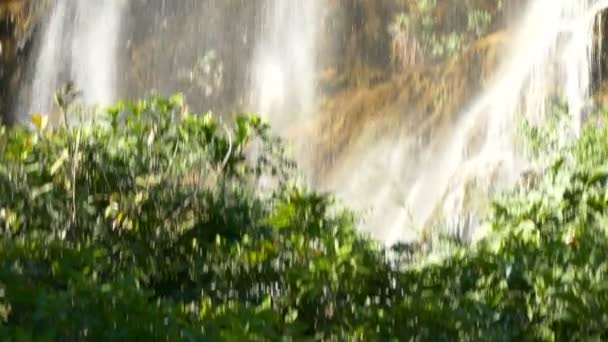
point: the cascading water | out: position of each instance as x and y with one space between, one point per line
45 69
284 65
95 43
284 71
551 55
79 44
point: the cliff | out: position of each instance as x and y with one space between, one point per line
18 20
374 56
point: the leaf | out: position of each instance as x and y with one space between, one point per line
40 121
291 316
283 216
148 180
265 306
243 130
46 188
557 166
177 100
57 164
599 174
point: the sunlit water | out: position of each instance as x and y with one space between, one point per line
79 43
284 64
551 55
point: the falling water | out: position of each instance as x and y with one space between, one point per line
95 44
552 54
45 70
79 44
284 64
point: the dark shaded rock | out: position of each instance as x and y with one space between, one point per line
18 21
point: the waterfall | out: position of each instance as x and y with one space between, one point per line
551 55
95 45
284 65
46 66
79 43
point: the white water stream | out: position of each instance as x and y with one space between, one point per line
551 55
79 43
284 65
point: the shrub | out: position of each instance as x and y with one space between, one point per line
151 223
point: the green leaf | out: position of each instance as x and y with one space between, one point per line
59 162
265 306
177 100
599 174
291 316
46 188
283 216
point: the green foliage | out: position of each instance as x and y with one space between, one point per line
421 34
544 142
152 223
478 21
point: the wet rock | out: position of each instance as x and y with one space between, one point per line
18 21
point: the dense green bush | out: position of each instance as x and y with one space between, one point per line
152 223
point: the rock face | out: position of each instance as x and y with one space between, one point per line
11 12
163 50
18 20
429 58
199 47
374 85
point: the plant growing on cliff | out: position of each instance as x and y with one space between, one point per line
478 21
421 35
406 50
